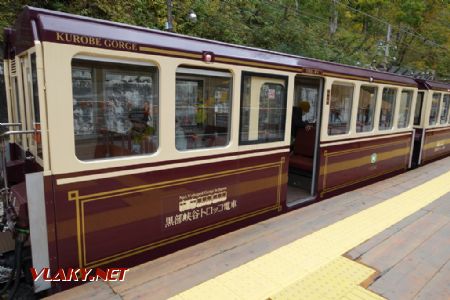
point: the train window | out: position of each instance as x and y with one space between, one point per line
115 107
35 88
203 108
387 109
16 107
307 94
404 112
445 108
366 108
435 105
263 109
35 99
418 110
340 109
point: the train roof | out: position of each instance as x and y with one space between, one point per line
433 85
45 25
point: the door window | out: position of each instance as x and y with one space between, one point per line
418 110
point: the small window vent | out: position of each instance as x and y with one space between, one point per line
13 67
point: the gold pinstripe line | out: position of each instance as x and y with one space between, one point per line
81 200
325 189
172 52
140 188
342 152
336 187
154 245
361 161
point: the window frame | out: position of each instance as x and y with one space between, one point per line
193 76
95 58
354 103
241 101
420 109
448 121
397 97
411 110
442 108
374 116
438 115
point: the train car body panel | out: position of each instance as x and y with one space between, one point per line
349 165
101 222
434 126
436 144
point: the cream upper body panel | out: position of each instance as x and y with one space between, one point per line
429 106
352 132
58 83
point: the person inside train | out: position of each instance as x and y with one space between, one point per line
180 136
297 118
142 128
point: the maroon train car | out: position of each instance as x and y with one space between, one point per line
431 122
127 143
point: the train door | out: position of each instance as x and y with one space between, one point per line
30 104
419 131
16 114
305 129
25 113
32 101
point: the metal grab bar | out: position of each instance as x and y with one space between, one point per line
14 132
11 124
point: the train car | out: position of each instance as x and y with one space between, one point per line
431 122
129 143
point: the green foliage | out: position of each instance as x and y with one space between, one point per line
420 36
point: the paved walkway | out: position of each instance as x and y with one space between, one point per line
398 231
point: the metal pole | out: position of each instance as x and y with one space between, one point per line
3 158
386 47
169 24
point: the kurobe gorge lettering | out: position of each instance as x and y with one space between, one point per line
95 41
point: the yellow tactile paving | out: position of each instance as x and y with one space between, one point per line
313 267
335 280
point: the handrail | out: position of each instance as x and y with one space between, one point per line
11 124
14 132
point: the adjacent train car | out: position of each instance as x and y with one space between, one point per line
432 122
131 143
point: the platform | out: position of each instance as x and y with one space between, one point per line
387 240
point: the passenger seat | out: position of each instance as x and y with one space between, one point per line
303 155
